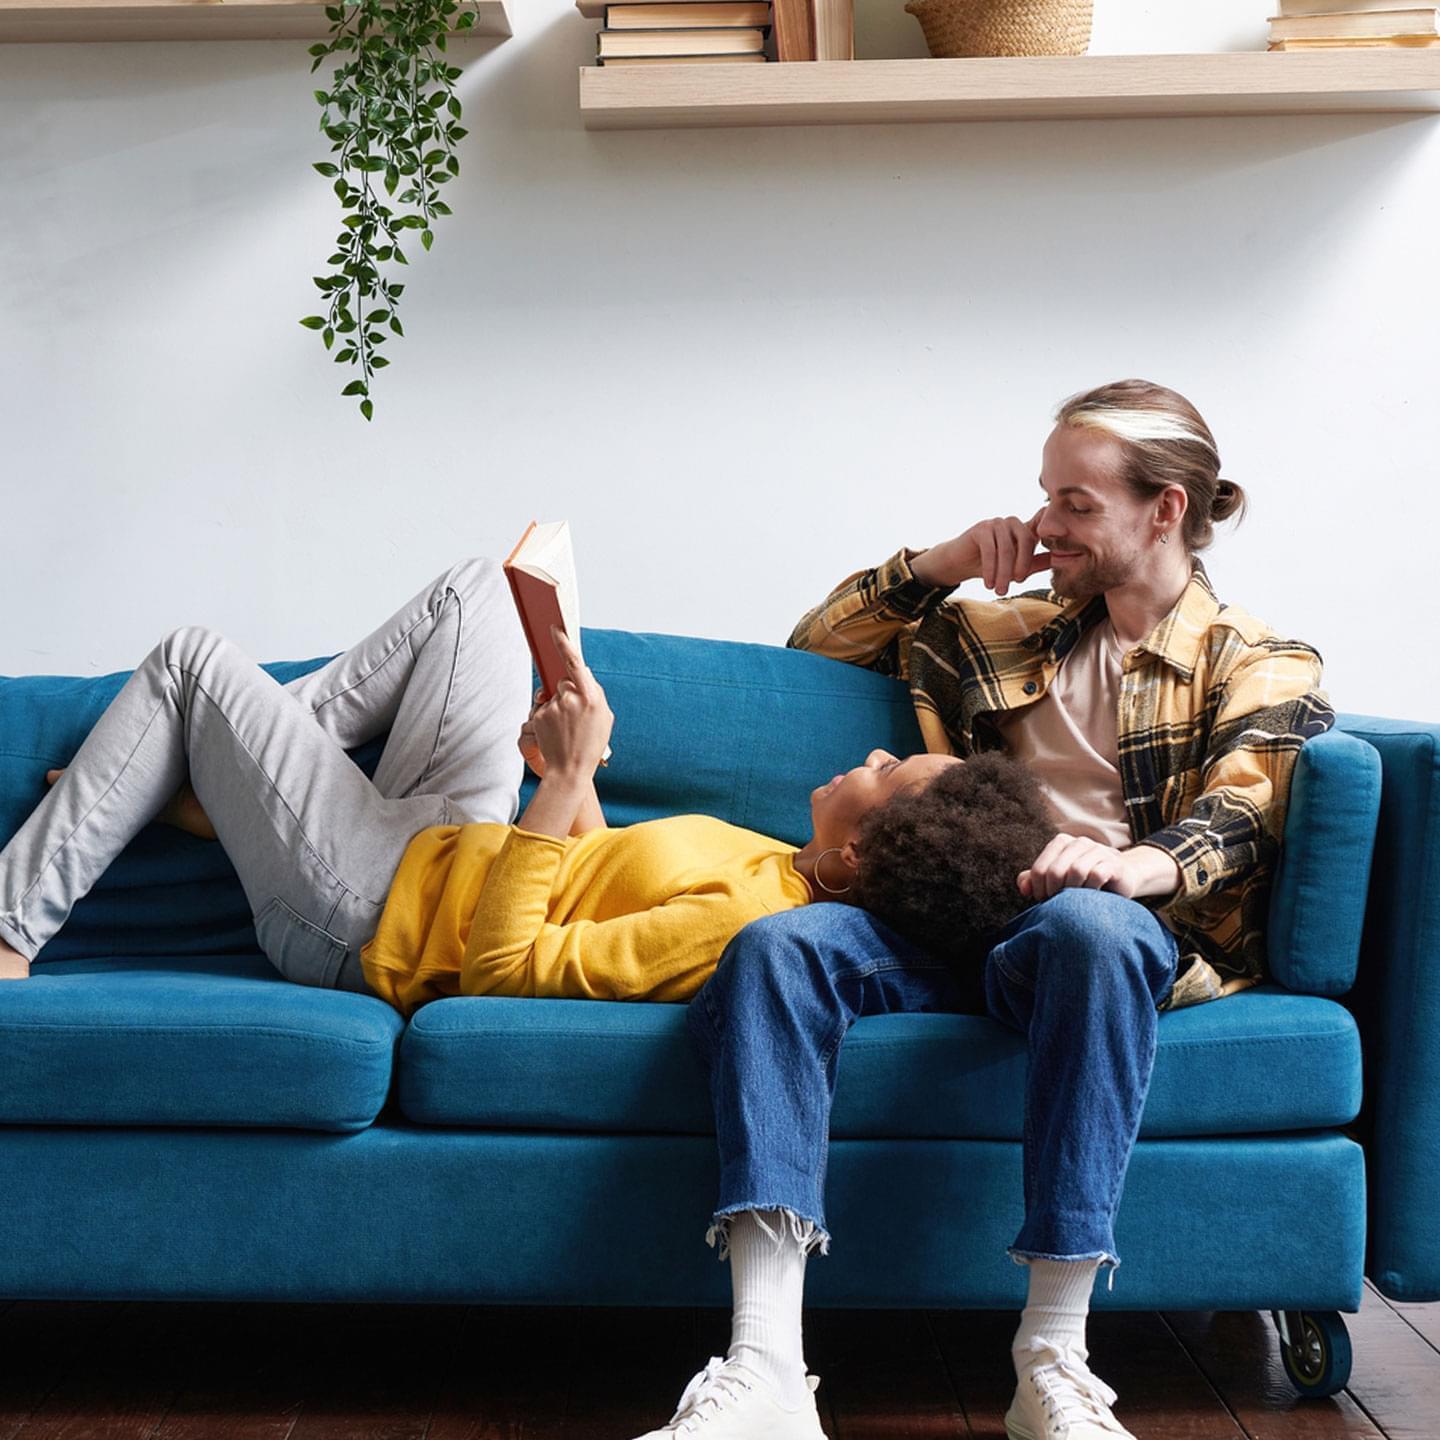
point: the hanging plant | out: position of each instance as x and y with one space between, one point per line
383 120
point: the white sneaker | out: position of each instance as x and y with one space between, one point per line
1059 1399
726 1401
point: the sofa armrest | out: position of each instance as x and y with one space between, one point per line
1396 1002
1317 906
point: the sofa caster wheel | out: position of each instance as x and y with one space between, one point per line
1315 1349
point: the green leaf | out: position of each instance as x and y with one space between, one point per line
314 322
453 106
384 253
396 291
400 256
371 164
452 164
395 325
457 132
324 282
326 168
392 179
441 208
348 353
433 157
317 50
379 362
454 72
375 315
356 387
427 238
367 409
328 337
465 21
440 42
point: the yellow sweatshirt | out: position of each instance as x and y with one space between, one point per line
640 912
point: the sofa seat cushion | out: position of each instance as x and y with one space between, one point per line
1263 1060
220 1040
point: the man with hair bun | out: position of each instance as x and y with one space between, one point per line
1162 727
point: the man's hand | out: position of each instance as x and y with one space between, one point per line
1000 552
572 728
1071 862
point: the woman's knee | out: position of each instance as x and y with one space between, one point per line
193 644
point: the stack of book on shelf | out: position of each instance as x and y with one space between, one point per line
701 32
684 32
1353 24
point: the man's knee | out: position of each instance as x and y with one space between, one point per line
1088 936
806 944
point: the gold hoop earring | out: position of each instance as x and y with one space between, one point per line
833 850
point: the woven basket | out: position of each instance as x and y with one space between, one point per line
1004 27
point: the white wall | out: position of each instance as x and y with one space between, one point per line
743 363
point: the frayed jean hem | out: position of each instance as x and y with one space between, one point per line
808 1234
1023 1257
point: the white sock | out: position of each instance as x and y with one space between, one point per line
1056 1308
767 1275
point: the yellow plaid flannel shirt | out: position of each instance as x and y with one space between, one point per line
1213 710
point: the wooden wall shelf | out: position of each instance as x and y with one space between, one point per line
1033 88
27 20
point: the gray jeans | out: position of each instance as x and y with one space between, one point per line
315 842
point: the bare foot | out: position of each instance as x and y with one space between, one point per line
13 965
184 812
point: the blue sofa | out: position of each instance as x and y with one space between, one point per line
177 1121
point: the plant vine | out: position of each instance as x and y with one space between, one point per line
382 121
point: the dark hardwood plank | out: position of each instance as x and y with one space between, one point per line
974 1346
376 1371
1396 1375
884 1376
511 1378
1162 1394
1239 1353
1423 1318
122 1385
249 1374
629 1367
41 1340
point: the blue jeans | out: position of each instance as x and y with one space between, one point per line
1080 976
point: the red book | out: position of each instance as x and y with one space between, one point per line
541 572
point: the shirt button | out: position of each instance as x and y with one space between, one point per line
1034 642
1201 876
1031 687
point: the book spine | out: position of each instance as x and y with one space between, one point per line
794 28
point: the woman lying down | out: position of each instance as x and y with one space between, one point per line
418 885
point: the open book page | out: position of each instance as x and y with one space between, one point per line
551 556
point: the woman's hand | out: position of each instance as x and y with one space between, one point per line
572 728
529 745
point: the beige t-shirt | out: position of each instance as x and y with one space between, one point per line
1069 740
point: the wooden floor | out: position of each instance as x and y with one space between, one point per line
177 1371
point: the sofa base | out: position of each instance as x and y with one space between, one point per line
405 1213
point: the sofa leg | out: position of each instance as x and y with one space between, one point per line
1315 1349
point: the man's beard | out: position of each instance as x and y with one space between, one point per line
1091 578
